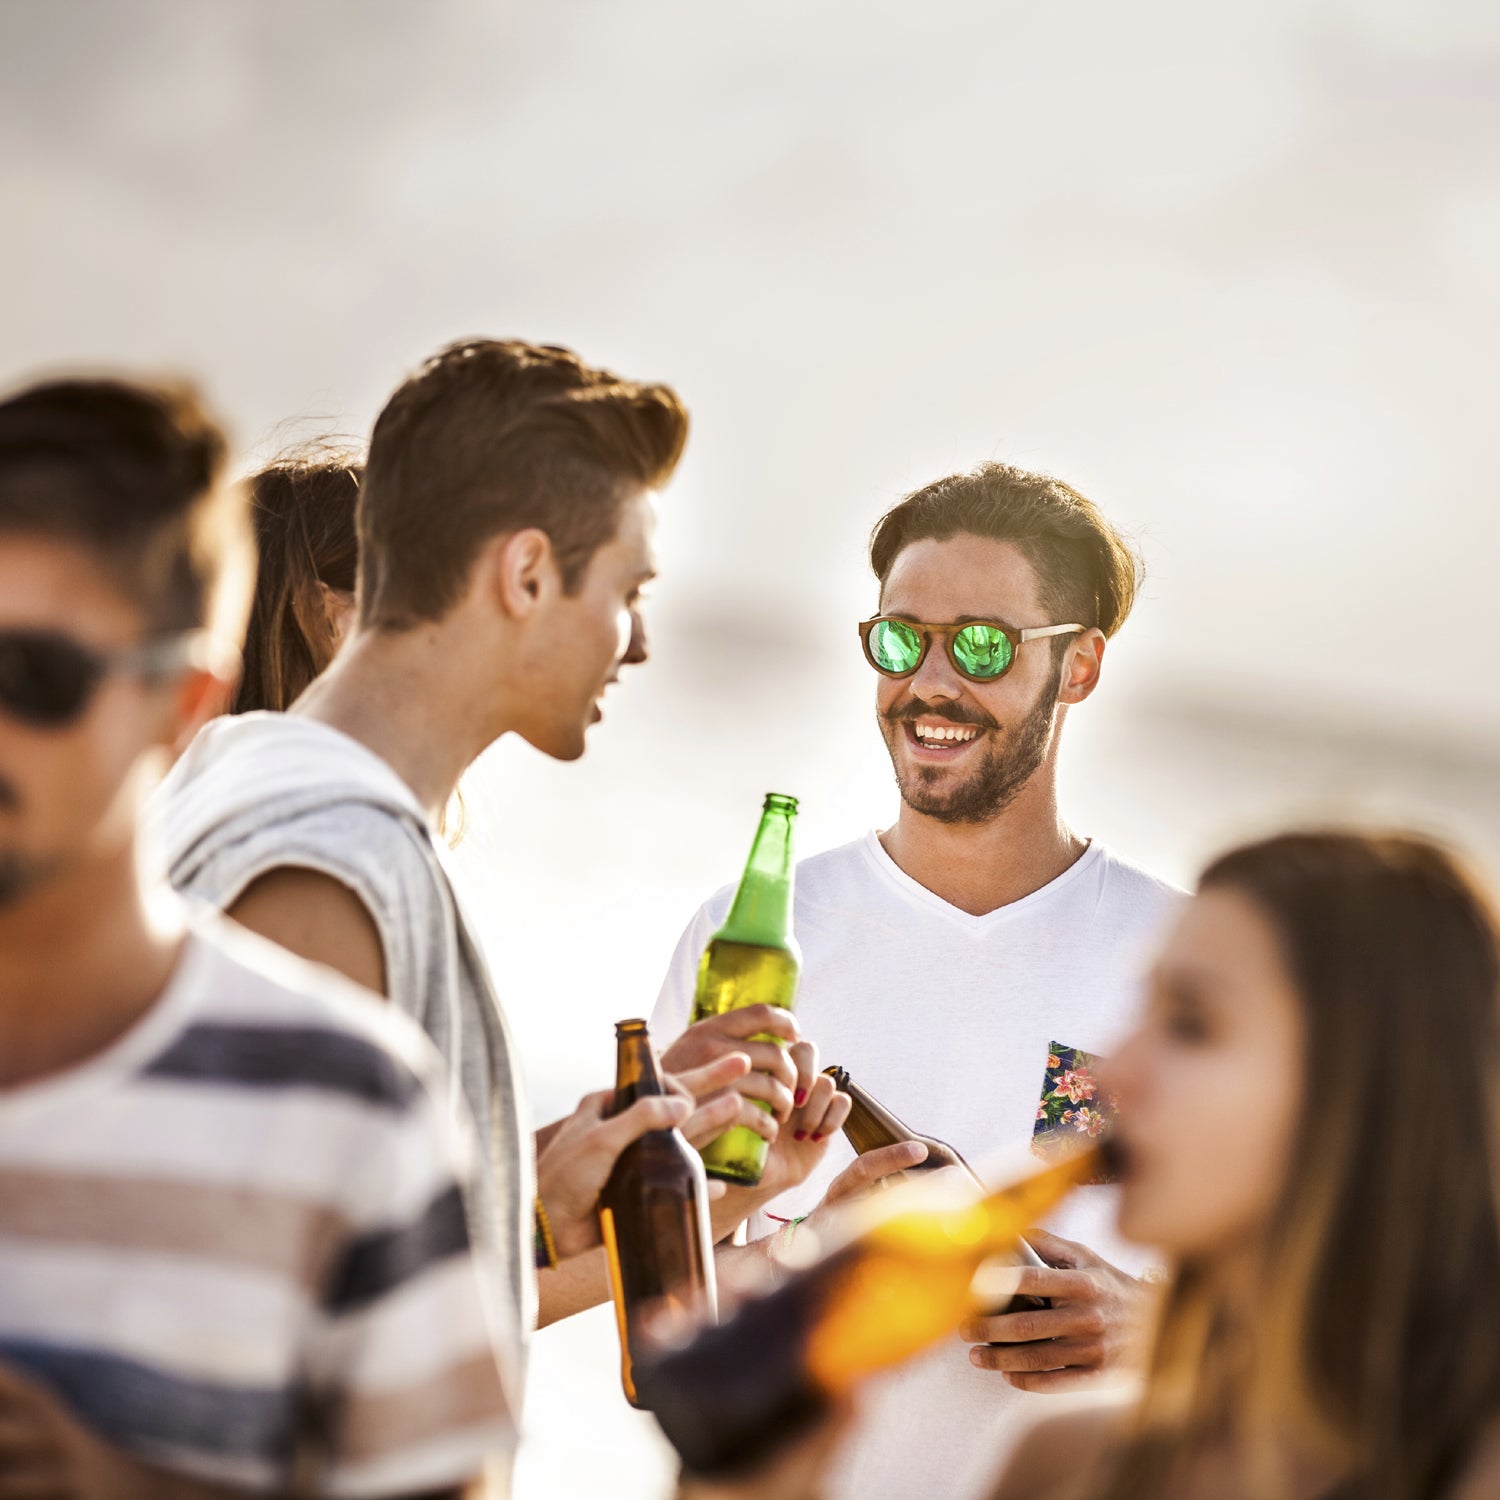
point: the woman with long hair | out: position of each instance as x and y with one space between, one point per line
303 507
1308 1126
303 510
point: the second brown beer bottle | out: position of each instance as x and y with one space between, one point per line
653 1217
871 1125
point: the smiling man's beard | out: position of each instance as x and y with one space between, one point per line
991 786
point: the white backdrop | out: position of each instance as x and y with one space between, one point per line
1228 270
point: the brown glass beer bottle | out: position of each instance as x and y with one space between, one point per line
653 1216
871 1125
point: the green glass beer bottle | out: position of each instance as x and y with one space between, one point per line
653 1218
752 960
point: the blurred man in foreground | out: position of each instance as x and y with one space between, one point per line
233 1248
967 964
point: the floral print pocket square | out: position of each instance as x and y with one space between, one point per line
1072 1103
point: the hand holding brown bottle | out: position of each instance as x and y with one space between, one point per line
802 1143
581 1151
1090 1330
871 1169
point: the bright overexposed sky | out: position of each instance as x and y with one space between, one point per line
1229 270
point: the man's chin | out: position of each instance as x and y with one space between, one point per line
558 747
940 809
558 741
946 798
927 790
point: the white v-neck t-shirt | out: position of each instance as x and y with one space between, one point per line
949 1020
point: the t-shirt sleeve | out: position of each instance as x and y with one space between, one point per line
363 848
404 1363
674 1006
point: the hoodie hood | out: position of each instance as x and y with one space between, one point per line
241 766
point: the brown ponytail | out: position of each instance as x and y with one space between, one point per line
303 511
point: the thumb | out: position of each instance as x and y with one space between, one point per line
865 1171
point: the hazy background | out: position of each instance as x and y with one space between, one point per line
1231 271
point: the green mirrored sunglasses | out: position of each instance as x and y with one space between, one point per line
980 650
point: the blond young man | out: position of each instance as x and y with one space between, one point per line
233 1247
507 523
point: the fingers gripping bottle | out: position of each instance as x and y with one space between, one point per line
871 1126
753 960
653 1217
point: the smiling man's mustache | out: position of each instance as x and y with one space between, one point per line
915 708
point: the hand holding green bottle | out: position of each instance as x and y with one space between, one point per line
753 960
780 1069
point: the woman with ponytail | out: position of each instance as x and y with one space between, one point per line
303 510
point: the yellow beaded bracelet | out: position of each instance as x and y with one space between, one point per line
545 1247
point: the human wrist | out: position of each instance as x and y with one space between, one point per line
571 1235
545 1254
732 1208
778 1245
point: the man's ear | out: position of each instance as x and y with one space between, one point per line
521 570
1081 666
338 611
201 694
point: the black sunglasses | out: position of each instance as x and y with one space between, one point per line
47 679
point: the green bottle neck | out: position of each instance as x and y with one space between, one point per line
762 910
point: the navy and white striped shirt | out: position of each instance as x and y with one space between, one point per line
234 1242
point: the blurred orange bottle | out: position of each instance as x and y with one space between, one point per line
739 1390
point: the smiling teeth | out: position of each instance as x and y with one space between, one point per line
951 733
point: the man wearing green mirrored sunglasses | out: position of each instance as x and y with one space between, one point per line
967 963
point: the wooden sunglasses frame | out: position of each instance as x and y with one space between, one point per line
1017 639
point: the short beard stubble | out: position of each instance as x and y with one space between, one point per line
995 783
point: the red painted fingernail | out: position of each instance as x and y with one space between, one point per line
800 1098
818 1136
801 1135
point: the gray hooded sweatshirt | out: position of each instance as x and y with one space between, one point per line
262 791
